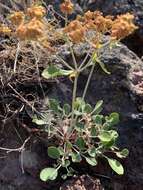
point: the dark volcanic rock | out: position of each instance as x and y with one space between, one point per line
122 89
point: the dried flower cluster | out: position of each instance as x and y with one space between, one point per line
96 20
29 25
123 26
67 7
33 30
36 12
17 18
119 28
76 31
32 25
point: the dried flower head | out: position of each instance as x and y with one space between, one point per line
35 29
67 7
17 18
36 12
123 26
96 21
89 15
76 31
77 36
32 30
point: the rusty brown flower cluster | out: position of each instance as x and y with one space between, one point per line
67 7
95 20
118 28
123 26
76 31
17 18
29 25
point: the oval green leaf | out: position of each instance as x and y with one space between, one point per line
52 72
53 152
80 143
48 174
92 151
76 157
123 154
98 107
91 161
116 166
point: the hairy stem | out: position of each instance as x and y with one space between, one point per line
88 81
64 62
73 101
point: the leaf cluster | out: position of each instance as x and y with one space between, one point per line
93 136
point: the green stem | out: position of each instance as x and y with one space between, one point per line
88 81
73 101
72 53
84 61
64 62
87 65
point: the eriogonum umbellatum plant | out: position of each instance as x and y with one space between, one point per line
80 131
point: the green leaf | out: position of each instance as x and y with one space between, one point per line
102 65
97 119
79 127
109 144
61 151
38 121
79 104
76 157
123 154
68 145
114 118
65 163
53 152
80 143
92 151
93 132
116 166
98 107
66 109
91 161
48 174
107 136
111 120
114 134
53 72
88 108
